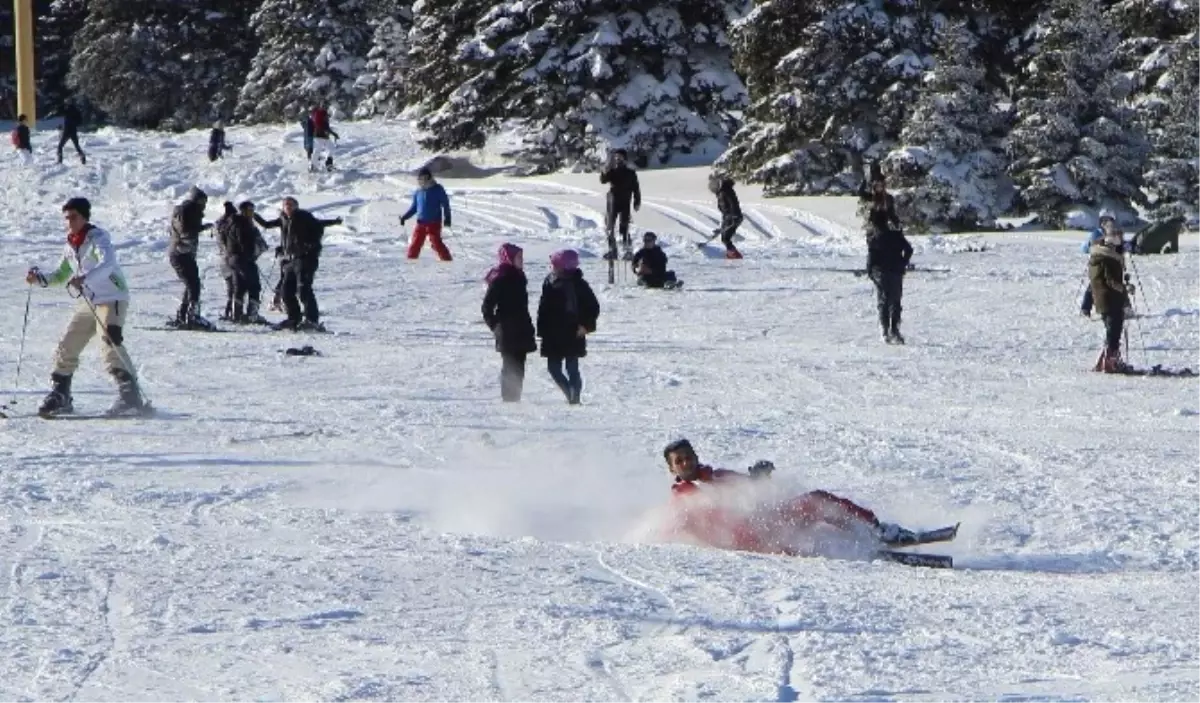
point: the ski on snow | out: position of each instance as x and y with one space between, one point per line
913 539
931 561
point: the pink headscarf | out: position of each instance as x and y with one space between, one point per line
564 260
506 257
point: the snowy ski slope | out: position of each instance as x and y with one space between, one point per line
374 524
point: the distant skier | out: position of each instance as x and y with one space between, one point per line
731 213
243 244
713 525
650 264
567 313
431 205
216 142
322 132
300 252
1111 290
21 141
306 124
89 266
70 131
888 254
1108 223
506 312
623 189
186 226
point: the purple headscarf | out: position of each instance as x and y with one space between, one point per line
564 260
506 257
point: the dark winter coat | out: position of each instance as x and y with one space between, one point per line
880 216
71 120
300 235
23 138
654 258
216 143
727 200
186 226
240 239
307 125
888 251
1106 269
622 186
506 312
567 303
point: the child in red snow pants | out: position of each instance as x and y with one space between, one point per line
433 230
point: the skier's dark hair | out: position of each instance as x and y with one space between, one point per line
649 235
245 204
677 445
424 173
79 205
21 117
621 152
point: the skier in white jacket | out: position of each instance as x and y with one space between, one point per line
89 266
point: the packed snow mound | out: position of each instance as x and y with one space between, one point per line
445 166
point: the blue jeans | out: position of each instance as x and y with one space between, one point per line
570 384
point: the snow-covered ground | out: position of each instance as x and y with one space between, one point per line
374 523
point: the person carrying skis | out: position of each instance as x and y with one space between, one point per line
89 265
431 205
623 189
21 142
1110 290
321 135
506 312
650 264
299 252
810 509
70 132
243 244
186 226
731 213
216 142
888 254
567 313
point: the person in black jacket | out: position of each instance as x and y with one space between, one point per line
21 141
506 312
216 142
623 189
877 204
186 225
243 243
650 264
70 132
299 253
888 254
731 214
567 313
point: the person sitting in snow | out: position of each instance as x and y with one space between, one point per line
1110 290
809 509
650 264
1108 223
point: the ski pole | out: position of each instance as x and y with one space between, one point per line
20 354
1138 278
119 348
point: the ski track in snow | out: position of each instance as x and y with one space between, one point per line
373 524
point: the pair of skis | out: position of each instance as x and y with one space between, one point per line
913 539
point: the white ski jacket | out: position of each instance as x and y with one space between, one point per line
96 261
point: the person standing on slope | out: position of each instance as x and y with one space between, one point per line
321 135
216 142
306 124
186 226
650 264
1108 223
888 254
731 213
506 312
567 313
89 265
70 132
21 141
222 228
877 205
243 244
1110 291
431 205
300 253
623 189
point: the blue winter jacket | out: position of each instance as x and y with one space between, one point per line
430 205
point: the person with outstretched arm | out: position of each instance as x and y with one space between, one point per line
299 254
623 191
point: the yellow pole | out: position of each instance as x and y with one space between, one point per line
26 87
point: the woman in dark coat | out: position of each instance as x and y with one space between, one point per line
1110 292
506 312
567 313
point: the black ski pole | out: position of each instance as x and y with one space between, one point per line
20 355
1138 279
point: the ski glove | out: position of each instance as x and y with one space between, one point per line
447 223
402 221
34 275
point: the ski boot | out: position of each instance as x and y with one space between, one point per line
894 535
252 315
733 254
310 326
329 164
58 401
130 401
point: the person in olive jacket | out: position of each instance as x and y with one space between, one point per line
506 312
567 313
1110 292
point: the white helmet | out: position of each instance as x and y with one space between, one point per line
1105 213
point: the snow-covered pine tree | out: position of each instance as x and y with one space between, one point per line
1172 179
1074 141
843 89
57 27
159 63
946 174
381 82
586 76
310 51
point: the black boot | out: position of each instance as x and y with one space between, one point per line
130 401
886 325
895 326
58 401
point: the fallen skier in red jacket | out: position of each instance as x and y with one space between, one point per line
735 510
